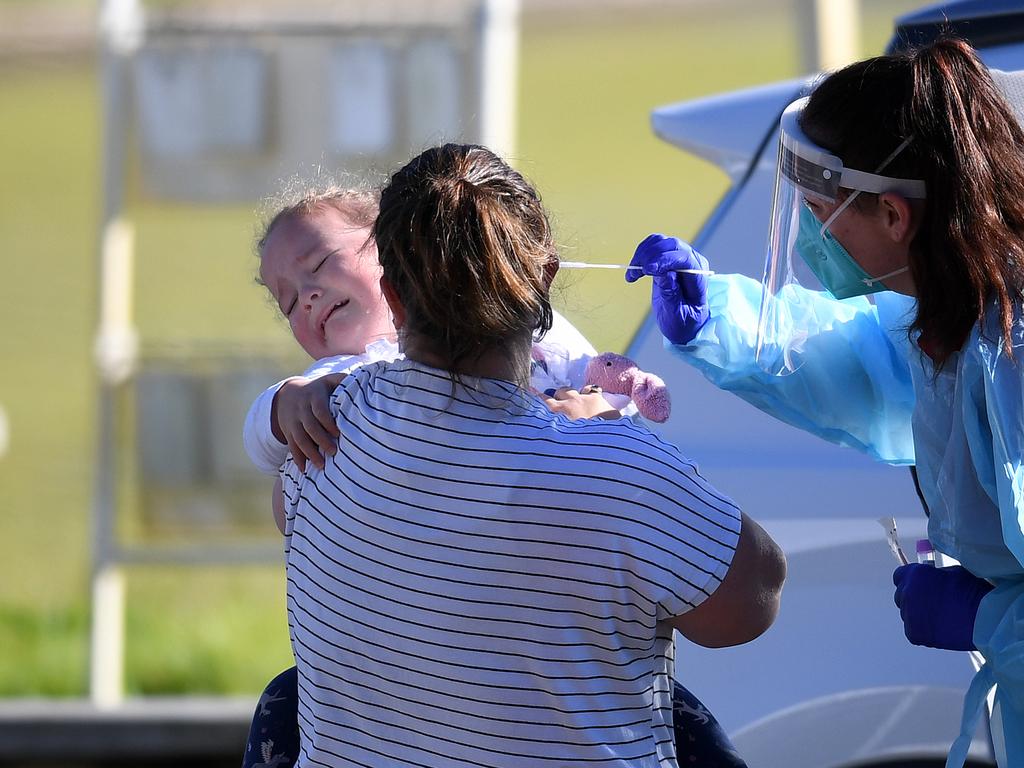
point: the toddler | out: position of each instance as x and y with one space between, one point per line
319 263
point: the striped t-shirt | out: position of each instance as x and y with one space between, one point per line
475 581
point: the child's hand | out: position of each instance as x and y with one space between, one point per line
586 404
301 417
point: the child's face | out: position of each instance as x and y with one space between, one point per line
326 283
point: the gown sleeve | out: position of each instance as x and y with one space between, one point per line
853 387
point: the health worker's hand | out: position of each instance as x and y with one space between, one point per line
301 417
679 299
938 605
586 404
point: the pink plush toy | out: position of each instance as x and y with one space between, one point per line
619 375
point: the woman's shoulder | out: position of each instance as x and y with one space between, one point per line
616 438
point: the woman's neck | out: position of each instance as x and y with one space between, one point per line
510 363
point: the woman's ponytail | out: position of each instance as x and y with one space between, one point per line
464 240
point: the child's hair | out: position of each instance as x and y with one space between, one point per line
464 241
967 146
357 203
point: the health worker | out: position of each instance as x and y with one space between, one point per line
902 174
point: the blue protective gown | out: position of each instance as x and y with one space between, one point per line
863 384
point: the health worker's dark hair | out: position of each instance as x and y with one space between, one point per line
968 148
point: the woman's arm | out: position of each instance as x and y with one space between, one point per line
852 386
746 603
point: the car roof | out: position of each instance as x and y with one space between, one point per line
984 22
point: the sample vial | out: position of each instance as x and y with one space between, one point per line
925 552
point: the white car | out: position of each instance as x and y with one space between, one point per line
834 683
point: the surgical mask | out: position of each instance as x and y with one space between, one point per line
830 262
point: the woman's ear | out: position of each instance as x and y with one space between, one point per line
900 216
394 303
550 270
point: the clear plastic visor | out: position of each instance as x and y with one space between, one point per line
792 294
784 307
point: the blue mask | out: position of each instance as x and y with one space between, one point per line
832 264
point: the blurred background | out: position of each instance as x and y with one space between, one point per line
588 74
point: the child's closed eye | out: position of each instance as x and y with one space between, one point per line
323 260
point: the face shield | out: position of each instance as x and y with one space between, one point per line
802 252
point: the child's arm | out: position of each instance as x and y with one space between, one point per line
580 405
266 432
300 417
264 449
560 361
265 440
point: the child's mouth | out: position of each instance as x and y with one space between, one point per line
335 308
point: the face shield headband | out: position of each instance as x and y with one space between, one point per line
818 173
806 170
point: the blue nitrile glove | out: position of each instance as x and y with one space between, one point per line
679 299
938 605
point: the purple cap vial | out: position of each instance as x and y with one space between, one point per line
925 552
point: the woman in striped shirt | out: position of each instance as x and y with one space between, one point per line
480 577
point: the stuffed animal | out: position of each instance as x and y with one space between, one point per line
619 375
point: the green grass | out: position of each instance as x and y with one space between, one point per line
605 176
587 85
215 630
46 655
47 224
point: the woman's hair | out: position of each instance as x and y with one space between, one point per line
967 146
358 204
464 241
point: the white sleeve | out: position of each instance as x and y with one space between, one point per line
265 451
580 351
560 357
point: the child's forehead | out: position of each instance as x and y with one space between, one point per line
323 226
322 219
